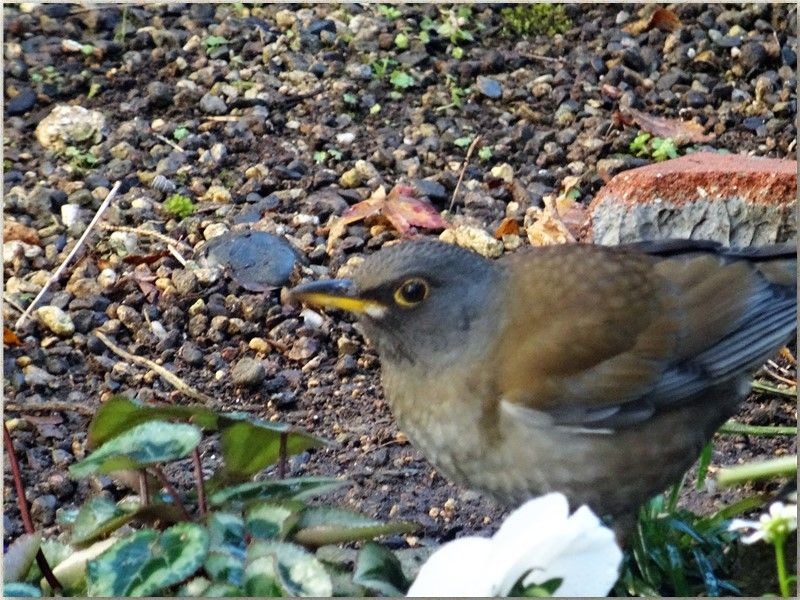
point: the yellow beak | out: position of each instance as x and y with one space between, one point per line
337 293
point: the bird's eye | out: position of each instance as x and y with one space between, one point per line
411 292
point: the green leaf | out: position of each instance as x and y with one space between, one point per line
146 444
271 521
295 571
71 571
320 525
119 414
375 109
702 467
320 156
248 445
226 548
378 569
21 590
299 488
213 41
180 133
20 555
261 577
350 98
401 79
97 517
401 41
463 142
146 563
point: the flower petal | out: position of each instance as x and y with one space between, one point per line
458 568
589 566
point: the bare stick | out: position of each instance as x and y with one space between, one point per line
54 277
174 251
22 503
50 406
170 377
463 169
176 499
144 491
12 303
147 232
198 481
168 141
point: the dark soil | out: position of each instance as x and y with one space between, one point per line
279 99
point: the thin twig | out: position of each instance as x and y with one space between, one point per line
176 499
779 378
542 58
174 251
198 482
54 277
170 377
223 118
148 232
22 503
50 406
144 490
12 303
168 141
463 169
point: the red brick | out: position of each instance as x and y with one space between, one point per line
706 194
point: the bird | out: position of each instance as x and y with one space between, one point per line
599 372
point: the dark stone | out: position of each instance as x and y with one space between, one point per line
191 354
753 55
22 102
695 99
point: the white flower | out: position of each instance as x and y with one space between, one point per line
777 523
539 538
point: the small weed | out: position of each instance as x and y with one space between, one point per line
381 67
485 153
80 159
401 40
179 205
533 19
375 109
401 80
119 32
464 141
657 148
214 41
350 99
180 133
389 11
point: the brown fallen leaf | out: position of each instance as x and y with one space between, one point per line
547 229
17 231
681 132
10 338
508 226
661 18
399 207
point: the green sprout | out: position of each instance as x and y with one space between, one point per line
533 19
179 205
401 79
644 144
485 153
180 133
389 11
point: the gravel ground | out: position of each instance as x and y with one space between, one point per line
278 119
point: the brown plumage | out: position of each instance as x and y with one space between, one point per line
598 372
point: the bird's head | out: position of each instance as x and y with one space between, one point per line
424 302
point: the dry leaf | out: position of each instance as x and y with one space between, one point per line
10 338
547 229
665 20
399 207
662 18
681 132
507 226
17 231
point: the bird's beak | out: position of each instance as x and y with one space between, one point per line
337 293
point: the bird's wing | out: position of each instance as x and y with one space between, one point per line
605 337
